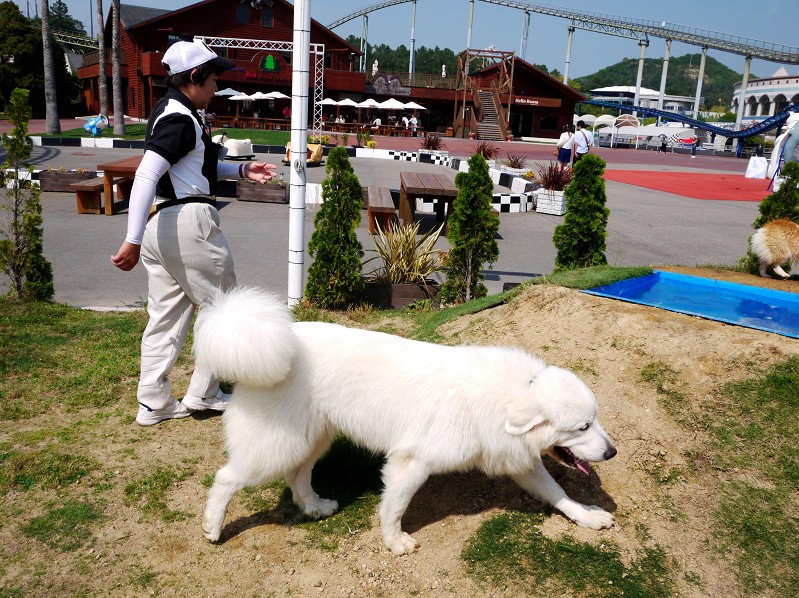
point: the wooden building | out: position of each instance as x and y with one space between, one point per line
146 33
519 98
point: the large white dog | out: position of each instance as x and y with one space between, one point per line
429 408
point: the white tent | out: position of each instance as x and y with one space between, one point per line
606 120
588 119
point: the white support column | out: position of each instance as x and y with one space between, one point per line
568 55
412 65
664 76
699 81
525 34
742 100
364 41
644 43
471 20
300 67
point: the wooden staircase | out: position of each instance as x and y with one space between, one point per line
488 128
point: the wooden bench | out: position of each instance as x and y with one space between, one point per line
88 193
380 209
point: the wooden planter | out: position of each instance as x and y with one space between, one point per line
396 296
268 193
60 181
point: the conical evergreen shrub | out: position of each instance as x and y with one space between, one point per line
580 240
471 230
334 278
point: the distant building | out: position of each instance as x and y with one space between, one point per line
766 96
647 98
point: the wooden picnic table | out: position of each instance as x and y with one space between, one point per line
119 169
415 185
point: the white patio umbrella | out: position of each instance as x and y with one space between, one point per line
259 95
329 102
368 103
242 97
276 95
228 91
391 104
348 102
414 106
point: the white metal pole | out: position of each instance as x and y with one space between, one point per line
664 75
637 100
301 58
699 81
742 100
568 55
412 65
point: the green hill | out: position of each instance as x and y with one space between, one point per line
717 83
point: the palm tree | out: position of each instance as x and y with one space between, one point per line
51 104
116 70
102 79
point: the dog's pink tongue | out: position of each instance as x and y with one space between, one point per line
582 466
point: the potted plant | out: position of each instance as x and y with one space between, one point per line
275 191
407 263
553 178
59 179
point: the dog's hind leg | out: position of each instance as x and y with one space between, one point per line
299 480
402 477
225 487
540 484
780 272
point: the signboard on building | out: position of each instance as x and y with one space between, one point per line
532 101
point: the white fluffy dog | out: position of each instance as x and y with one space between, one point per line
430 409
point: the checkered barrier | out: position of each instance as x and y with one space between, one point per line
521 197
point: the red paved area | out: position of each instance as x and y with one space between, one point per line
699 185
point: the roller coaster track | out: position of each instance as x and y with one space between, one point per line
634 29
76 40
771 122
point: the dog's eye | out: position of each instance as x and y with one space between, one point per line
585 427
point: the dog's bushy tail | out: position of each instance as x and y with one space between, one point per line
244 335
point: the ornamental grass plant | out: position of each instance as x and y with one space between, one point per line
407 258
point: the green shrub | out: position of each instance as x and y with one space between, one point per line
334 278
21 252
472 229
580 240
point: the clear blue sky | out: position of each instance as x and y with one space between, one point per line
444 23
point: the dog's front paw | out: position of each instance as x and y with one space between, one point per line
322 507
211 529
402 544
594 518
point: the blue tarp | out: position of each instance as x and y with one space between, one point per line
742 305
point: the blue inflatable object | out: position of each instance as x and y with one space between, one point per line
739 304
96 124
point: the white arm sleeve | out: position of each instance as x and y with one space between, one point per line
152 168
227 170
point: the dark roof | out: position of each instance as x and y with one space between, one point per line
133 15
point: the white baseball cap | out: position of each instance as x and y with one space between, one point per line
184 56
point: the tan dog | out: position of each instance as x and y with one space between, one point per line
776 243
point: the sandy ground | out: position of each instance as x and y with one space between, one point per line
606 342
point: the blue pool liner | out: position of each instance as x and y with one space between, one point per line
742 305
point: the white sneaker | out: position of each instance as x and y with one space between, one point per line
216 403
150 417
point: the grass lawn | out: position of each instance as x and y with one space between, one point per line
137 131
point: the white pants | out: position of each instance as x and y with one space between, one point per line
187 258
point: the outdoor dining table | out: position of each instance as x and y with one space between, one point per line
118 169
415 185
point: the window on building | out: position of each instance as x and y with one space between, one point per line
242 14
548 123
267 17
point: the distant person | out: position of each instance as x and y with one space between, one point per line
413 122
287 112
564 148
582 142
405 121
664 147
376 123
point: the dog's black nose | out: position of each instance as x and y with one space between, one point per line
610 453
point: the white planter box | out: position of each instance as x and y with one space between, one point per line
550 202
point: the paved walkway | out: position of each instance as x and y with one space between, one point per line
646 227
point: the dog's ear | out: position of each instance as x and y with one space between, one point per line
522 416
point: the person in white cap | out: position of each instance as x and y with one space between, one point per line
173 227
